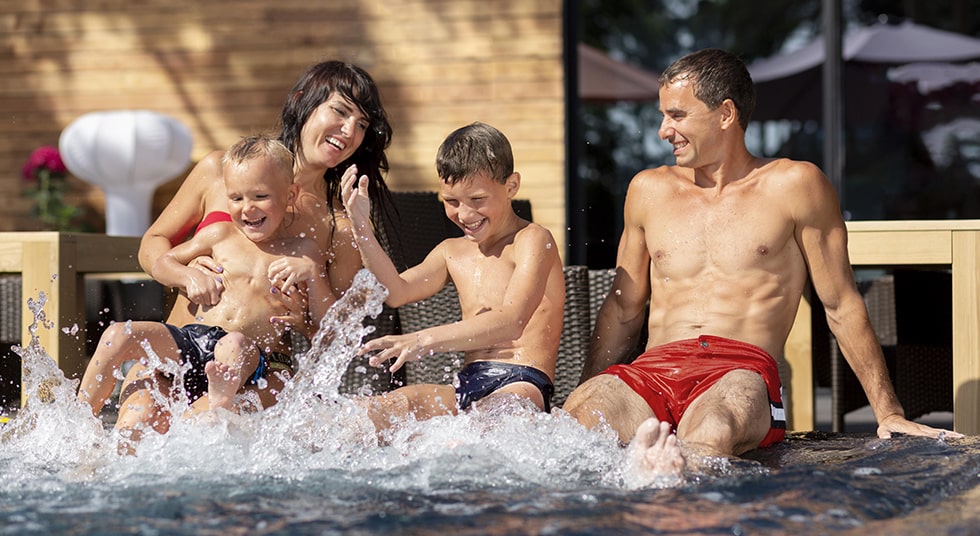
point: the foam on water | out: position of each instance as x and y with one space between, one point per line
313 464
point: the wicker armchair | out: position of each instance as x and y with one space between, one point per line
911 313
846 392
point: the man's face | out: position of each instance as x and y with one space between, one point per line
688 125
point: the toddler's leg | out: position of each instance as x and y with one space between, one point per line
235 360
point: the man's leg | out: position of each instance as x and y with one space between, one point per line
607 398
653 455
728 419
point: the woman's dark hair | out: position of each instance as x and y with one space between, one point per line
312 89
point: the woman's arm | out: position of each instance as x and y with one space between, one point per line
202 191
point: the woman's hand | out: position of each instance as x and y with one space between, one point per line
292 274
204 287
295 313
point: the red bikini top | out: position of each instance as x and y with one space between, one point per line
213 217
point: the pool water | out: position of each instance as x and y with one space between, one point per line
313 465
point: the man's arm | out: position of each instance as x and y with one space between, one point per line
621 317
822 236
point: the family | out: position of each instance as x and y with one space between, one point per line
263 238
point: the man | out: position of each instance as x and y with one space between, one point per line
720 244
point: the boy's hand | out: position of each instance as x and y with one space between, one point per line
400 347
357 203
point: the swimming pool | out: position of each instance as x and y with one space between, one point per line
313 465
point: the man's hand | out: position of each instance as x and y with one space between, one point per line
898 424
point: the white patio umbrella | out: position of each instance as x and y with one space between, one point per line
788 84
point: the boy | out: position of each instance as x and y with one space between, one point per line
235 339
507 272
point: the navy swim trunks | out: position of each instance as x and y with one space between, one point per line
482 378
196 343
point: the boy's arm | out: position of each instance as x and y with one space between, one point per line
535 256
413 284
170 269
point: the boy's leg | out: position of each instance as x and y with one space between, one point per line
120 343
522 389
235 360
423 401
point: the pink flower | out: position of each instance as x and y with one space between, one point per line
45 157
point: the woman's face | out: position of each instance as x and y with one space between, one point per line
332 133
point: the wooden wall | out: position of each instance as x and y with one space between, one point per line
223 68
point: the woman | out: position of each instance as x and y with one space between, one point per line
332 119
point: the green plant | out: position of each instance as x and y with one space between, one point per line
46 175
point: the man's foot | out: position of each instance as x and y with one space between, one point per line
223 383
653 457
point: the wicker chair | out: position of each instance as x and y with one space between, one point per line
917 346
923 373
846 392
10 316
600 283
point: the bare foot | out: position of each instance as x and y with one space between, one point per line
653 457
223 383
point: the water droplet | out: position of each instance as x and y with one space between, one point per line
262 383
547 246
619 292
667 279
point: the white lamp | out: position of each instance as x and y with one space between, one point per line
128 154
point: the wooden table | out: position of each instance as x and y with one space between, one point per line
950 243
56 264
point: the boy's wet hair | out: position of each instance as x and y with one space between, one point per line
259 146
474 148
716 75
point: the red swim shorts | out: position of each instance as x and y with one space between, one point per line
671 376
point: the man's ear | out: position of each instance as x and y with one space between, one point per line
729 113
513 184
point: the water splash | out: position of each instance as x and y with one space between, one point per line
312 463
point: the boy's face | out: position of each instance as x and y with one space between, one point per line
480 205
258 195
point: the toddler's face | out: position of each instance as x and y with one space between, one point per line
258 195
